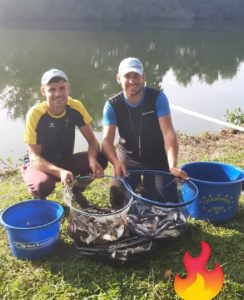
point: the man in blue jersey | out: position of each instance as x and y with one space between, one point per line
147 139
50 135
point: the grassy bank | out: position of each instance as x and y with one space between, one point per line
66 276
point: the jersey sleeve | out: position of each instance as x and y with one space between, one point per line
32 118
162 105
78 106
109 116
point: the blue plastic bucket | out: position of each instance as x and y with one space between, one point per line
32 227
219 186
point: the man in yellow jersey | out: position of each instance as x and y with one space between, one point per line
50 136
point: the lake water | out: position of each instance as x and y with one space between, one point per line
199 69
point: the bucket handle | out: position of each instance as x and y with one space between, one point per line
156 203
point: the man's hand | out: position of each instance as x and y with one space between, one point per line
119 169
179 173
96 168
66 177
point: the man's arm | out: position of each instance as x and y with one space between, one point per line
93 149
38 162
171 145
109 150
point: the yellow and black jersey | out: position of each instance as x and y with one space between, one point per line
56 134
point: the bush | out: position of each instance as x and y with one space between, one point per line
235 117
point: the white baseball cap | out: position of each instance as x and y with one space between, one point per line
130 64
47 76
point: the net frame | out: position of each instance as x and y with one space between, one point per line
188 184
95 227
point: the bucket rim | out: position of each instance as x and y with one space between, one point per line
219 164
7 226
156 203
88 214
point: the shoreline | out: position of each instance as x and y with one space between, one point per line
205 146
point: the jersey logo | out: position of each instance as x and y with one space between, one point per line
51 125
66 122
148 112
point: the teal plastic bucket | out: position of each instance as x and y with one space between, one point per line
32 227
219 188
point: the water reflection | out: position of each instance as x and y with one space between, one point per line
91 59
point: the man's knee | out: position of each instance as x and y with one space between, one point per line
40 187
45 188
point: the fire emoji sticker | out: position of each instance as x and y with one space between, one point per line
200 284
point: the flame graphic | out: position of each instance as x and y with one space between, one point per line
200 284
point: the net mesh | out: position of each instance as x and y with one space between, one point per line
158 210
92 220
147 217
156 222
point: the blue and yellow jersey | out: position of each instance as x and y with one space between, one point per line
56 134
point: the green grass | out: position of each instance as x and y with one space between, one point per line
63 275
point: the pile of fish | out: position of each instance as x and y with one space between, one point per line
93 225
118 236
92 229
156 222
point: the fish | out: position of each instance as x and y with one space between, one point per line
99 228
155 222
